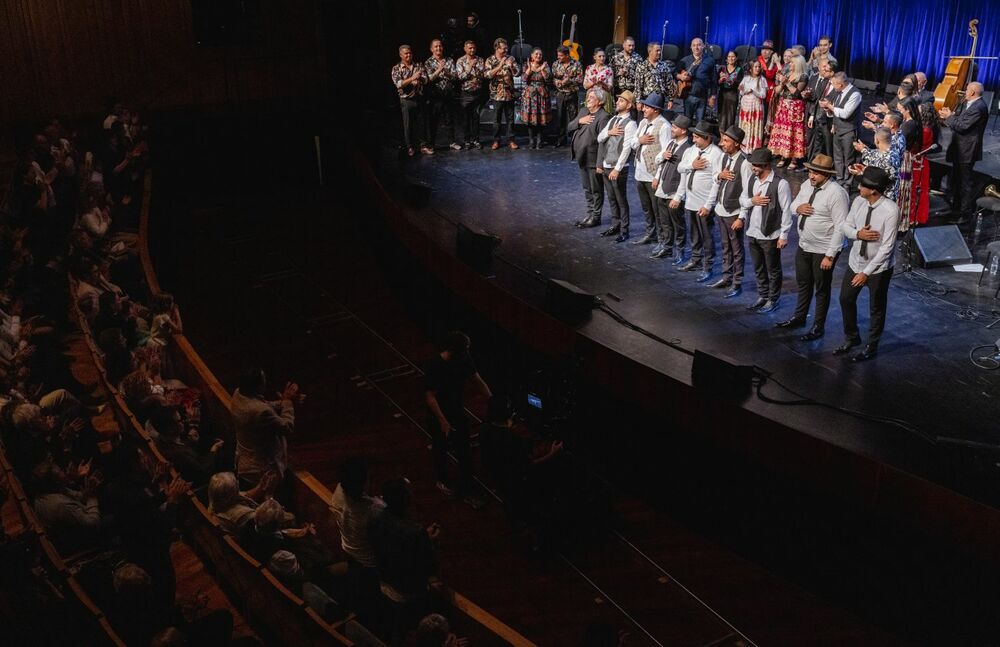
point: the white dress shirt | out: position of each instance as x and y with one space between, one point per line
660 193
755 219
629 143
879 253
700 191
852 103
641 173
746 172
822 233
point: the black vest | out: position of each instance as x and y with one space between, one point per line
733 189
669 177
843 126
772 212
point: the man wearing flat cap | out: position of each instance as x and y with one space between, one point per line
729 185
699 166
670 224
614 149
821 208
871 224
768 200
652 137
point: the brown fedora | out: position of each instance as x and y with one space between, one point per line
821 164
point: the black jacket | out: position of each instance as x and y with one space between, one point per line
583 142
967 123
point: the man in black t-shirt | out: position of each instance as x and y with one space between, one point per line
445 376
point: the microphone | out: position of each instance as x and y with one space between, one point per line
754 28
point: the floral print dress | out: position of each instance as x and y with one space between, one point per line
535 104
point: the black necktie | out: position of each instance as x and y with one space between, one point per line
728 165
693 171
802 219
864 243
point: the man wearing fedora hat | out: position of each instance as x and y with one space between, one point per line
871 224
821 207
614 149
699 166
670 219
652 136
729 184
768 200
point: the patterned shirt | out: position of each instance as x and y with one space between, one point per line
444 84
400 73
878 159
658 77
502 83
602 77
568 76
624 67
470 74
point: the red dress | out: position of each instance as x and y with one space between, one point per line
920 202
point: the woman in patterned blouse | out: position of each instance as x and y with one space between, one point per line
535 97
601 76
408 77
470 72
501 70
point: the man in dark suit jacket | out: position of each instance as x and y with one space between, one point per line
967 123
922 95
818 122
583 133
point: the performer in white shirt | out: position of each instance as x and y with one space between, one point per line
615 144
769 202
652 137
729 185
821 207
673 231
871 224
699 166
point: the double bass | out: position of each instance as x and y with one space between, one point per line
957 74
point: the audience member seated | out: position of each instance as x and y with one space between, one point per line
117 358
270 533
262 427
434 631
72 517
234 509
286 568
179 445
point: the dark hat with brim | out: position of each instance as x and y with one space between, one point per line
735 133
682 121
821 164
876 179
706 129
654 100
760 157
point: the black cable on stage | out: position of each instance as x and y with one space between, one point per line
988 362
674 343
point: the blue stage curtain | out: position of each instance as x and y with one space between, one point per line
874 39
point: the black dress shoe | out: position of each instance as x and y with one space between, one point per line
769 306
846 346
622 237
611 232
794 322
721 283
662 252
735 292
870 351
679 260
757 304
590 222
704 277
645 240
690 266
812 335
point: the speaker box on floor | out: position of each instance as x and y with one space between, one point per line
940 246
568 302
476 248
721 374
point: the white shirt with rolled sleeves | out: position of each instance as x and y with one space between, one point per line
846 111
700 193
755 215
627 145
885 219
641 174
746 172
822 231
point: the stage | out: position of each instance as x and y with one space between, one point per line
945 408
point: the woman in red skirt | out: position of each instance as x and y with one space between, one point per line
788 132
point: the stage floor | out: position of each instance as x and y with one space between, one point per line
923 374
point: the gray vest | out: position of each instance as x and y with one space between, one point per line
842 126
613 145
733 189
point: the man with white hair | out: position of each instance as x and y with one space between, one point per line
921 93
967 123
842 107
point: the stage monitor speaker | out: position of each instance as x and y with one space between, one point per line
476 248
940 246
416 196
568 302
721 374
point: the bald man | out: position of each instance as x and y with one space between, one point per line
967 123
700 65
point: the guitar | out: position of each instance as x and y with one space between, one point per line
574 47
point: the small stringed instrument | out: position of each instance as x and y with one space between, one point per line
574 47
956 74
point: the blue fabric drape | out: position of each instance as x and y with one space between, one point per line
875 39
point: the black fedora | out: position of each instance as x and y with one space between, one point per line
707 129
736 134
760 157
682 121
875 178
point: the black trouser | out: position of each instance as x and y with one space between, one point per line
843 154
878 297
410 109
812 279
504 115
694 108
766 258
617 200
732 250
820 139
702 233
469 104
650 207
671 226
963 200
567 107
459 441
593 191
440 110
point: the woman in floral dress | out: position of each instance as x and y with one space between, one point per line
600 75
788 133
535 104
753 94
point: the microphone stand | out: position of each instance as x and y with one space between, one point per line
746 52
